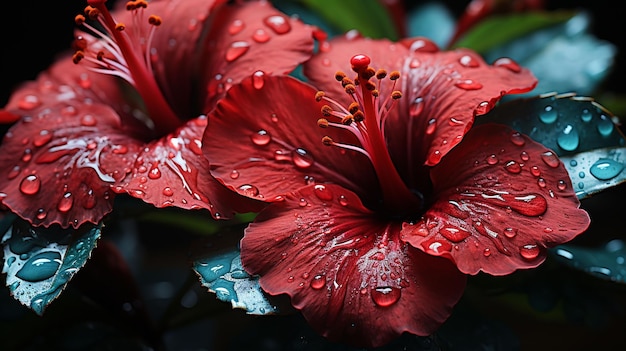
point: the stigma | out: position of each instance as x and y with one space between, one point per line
127 54
365 118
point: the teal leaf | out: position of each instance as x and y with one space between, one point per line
563 56
607 262
224 276
578 129
39 262
432 20
346 15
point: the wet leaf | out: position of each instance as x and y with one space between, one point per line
39 262
564 56
499 30
224 275
346 15
578 129
606 262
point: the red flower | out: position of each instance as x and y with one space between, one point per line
353 231
129 117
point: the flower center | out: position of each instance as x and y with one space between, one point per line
126 54
365 119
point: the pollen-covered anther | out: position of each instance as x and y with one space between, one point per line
91 12
347 120
396 94
326 110
319 96
375 93
381 73
346 81
353 108
339 76
328 141
368 73
322 123
358 116
370 86
120 27
394 75
79 19
350 89
100 56
78 55
155 20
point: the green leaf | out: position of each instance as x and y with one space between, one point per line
607 262
578 129
39 262
369 17
500 29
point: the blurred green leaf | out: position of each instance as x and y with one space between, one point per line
39 262
606 262
368 16
498 30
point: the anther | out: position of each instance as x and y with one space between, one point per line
347 120
326 110
358 116
120 27
322 123
394 75
350 89
375 93
79 19
353 107
155 20
345 81
339 76
368 73
328 141
370 86
319 96
396 95
78 55
381 73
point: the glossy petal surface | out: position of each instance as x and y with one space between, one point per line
501 200
348 272
259 143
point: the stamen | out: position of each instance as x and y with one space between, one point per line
126 55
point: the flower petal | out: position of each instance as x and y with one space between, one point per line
346 270
246 37
58 165
172 171
501 200
263 140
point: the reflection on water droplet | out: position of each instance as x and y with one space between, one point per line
417 107
66 202
561 185
236 50
468 84
605 169
234 174
586 115
513 167
468 61
29 102
510 232
432 125
454 234
260 36
258 80
302 159
605 126
508 64
40 266
518 139
550 159
167 191
529 252
42 138
323 193
318 282
492 159
261 138
548 115
30 185
568 138
249 190
278 24
236 27
343 201
385 296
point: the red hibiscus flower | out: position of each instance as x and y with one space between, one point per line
374 217
126 112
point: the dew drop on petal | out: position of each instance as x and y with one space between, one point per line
236 27
258 79
30 185
561 185
513 167
318 282
261 138
510 232
260 36
236 50
508 64
550 159
605 169
66 202
343 201
167 191
42 138
417 107
89 200
155 172
534 170
434 157
468 61
41 214
88 120
323 193
548 115
385 296
468 84
15 171
492 159
29 102
487 252
524 156
454 234
278 24
302 202
234 174
518 139
529 252
432 126
302 159
248 190
541 182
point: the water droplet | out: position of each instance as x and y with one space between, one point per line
66 202
586 115
302 159
534 170
605 126
282 155
29 102
323 193
518 139
541 182
318 282
454 234
524 156
303 202
487 252
548 115
385 296
434 157
343 201
27 156
40 266
236 27
581 174
568 139
492 159
261 138
88 120
513 167
432 125
236 50
508 64
42 138
468 61
89 200
550 159
234 174
529 252
278 24
417 107
468 84
605 169
510 232
249 190
30 185
260 36
561 185
167 191
155 172
258 79
41 214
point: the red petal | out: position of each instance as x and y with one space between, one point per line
58 165
263 140
246 37
173 172
501 200
347 270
